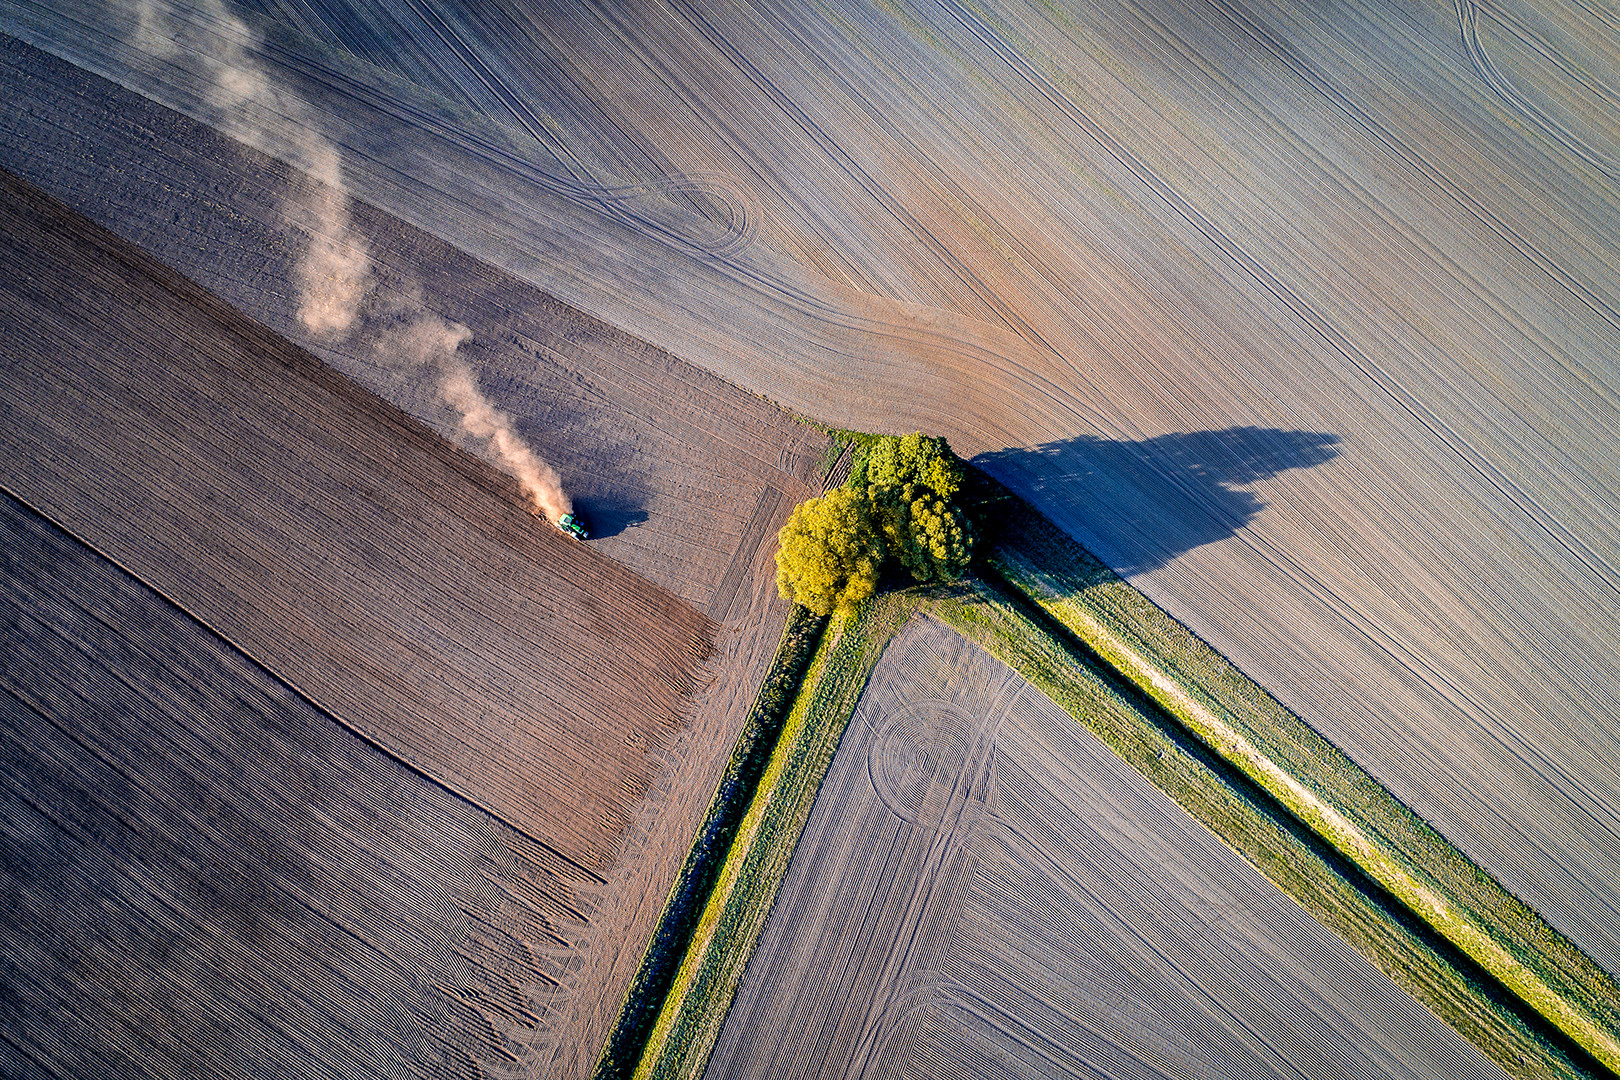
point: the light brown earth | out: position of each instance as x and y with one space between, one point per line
398 582
985 890
1149 259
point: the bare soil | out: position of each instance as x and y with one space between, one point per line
207 874
397 581
1303 316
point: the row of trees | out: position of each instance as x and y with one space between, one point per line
900 503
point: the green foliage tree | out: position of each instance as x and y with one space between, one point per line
927 532
899 501
918 459
830 554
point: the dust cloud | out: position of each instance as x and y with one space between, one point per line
481 420
424 342
333 273
249 106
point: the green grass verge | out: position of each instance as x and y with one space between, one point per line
689 1023
1344 807
802 638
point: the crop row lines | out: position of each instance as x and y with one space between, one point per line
1507 940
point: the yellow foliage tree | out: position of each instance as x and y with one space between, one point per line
900 501
919 459
830 554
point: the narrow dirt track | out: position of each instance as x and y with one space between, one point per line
984 889
1070 235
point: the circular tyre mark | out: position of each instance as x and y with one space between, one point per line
917 762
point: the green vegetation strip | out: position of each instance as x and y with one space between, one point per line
730 925
1307 817
803 636
1345 808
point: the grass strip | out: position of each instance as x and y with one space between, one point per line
1332 889
696 1006
1314 781
803 636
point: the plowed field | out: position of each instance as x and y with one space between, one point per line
985 890
1154 258
398 582
209 875
679 476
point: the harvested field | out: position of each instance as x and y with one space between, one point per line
206 874
1133 252
984 889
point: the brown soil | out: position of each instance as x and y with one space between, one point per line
1155 257
209 875
396 580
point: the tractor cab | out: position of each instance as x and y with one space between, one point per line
572 525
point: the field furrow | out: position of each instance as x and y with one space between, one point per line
1303 317
207 872
984 889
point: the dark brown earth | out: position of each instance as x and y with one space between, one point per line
206 874
398 583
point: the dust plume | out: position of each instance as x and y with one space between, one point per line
334 265
429 344
481 420
337 296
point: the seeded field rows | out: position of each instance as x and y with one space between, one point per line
1304 318
983 889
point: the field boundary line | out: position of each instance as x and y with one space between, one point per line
692 1013
803 638
753 535
281 680
1402 874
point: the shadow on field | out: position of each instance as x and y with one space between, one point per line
1144 502
610 517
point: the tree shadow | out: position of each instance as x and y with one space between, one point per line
1140 504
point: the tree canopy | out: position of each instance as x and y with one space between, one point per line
830 554
927 533
899 502
923 460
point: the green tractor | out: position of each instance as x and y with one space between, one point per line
572 525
